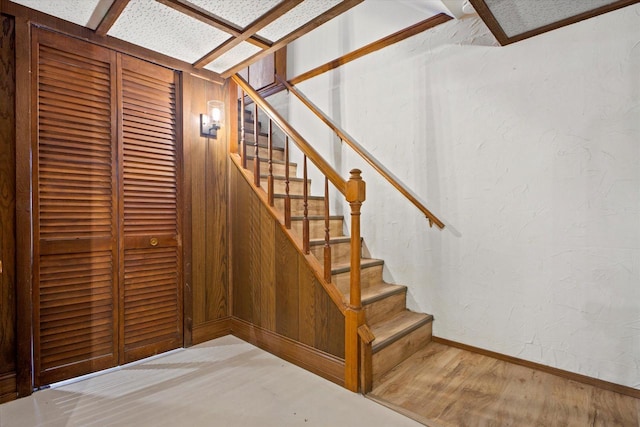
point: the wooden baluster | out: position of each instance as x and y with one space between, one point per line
354 315
305 208
327 237
287 199
256 156
270 178
243 136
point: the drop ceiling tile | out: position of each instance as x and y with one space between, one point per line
160 28
81 12
295 18
238 12
517 17
232 57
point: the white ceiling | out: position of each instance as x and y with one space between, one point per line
165 29
226 35
517 16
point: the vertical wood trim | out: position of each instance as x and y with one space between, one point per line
24 230
7 210
197 173
117 240
7 203
33 142
119 149
187 248
181 197
231 101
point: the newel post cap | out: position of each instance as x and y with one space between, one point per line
356 187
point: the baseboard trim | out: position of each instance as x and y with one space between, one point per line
211 330
320 363
8 387
605 385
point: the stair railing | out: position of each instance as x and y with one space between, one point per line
363 153
354 191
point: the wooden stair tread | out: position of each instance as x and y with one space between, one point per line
364 263
282 177
280 162
378 291
316 217
332 241
249 130
296 196
266 146
398 326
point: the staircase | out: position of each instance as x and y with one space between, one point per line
397 331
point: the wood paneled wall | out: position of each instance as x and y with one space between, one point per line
7 210
273 287
206 170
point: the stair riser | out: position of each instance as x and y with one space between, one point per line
368 276
278 168
262 139
295 187
264 151
385 308
314 207
388 357
316 228
340 253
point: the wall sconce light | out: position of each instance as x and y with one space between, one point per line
210 122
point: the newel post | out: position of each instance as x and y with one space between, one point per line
354 316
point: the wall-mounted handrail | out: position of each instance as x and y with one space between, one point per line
363 153
302 143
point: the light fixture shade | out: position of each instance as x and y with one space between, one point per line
215 110
212 120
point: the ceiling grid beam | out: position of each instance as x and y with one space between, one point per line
111 17
215 21
266 19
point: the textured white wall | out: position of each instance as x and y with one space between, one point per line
530 153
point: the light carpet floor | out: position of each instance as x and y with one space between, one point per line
224 382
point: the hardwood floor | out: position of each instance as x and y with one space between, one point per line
447 386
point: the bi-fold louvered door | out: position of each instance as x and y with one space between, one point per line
107 251
151 253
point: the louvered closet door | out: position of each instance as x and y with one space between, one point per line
151 256
75 253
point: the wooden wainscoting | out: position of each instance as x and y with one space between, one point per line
307 357
206 233
8 387
210 330
7 210
274 289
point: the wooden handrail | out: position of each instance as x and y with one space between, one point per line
302 143
363 153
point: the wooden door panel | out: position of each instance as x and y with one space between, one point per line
75 299
151 253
